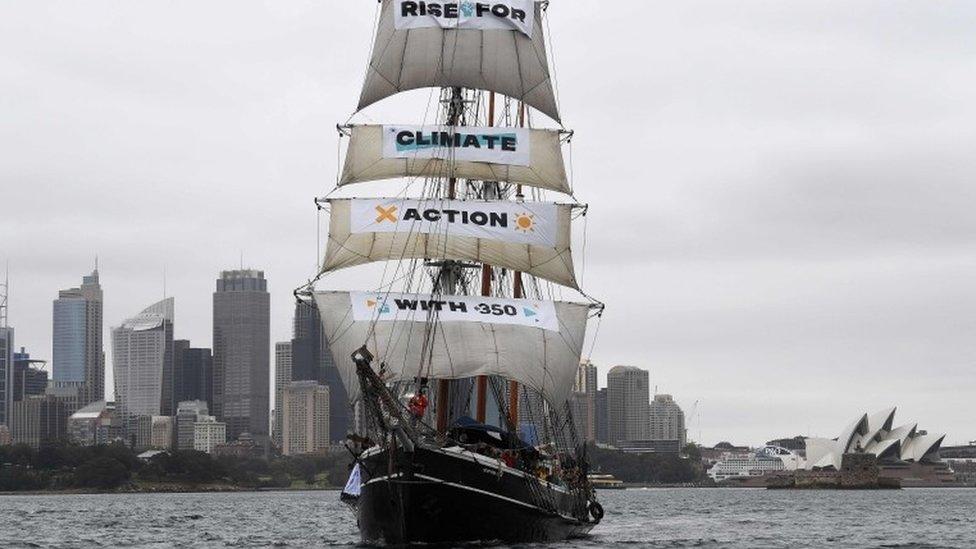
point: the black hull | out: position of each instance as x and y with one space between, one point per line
440 496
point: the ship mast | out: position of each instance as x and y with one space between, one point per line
481 384
455 360
449 270
518 292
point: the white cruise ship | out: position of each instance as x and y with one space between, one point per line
768 459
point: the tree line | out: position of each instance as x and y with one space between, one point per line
117 467
649 468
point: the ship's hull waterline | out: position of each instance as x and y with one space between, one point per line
448 496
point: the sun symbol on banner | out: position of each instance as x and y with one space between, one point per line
525 223
372 303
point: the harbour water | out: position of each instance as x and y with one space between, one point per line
637 518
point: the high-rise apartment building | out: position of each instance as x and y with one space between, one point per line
283 377
305 415
667 421
242 351
312 360
142 356
628 403
78 356
586 383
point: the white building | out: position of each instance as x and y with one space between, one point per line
305 418
874 434
667 420
628 393
143 362
207 433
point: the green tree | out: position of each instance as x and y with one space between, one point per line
102 472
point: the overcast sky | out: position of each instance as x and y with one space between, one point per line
782 193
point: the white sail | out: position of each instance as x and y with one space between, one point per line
540 164
532 237
505 61
392 326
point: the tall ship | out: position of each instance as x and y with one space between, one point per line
462 356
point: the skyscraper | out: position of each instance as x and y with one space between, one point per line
193 374
305 415
242 349
628 403
283 376
180 346
6 373
78 356
667 421
586 384
312 360
6 358
143 363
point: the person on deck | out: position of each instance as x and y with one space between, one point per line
418 405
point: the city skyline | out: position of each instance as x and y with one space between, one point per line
803 206
167 307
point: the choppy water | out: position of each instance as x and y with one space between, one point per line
652 518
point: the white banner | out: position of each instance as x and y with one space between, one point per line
509 146
467 14
380 307
533 223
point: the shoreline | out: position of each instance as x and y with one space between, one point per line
226 489
167 489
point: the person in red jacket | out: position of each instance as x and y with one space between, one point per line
418 404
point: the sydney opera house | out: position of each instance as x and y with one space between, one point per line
903 452
874 434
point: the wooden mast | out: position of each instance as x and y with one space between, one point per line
454 112
481 384
518 292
